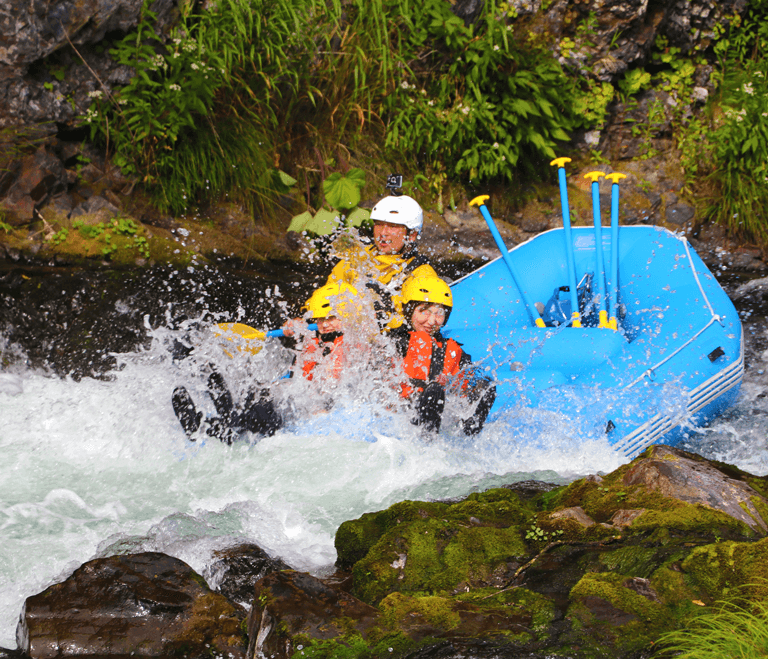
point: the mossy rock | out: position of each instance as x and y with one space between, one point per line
435 547
610 610
719 569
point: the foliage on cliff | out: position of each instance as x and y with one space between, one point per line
245 88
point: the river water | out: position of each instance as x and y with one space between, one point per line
95 463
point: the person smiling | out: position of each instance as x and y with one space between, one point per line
434 365
383 266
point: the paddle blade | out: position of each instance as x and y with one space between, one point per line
246 338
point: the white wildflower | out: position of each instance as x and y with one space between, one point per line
465 110
503 157
495 145
430 102
174 87
95 94
748 89
496 47
194 66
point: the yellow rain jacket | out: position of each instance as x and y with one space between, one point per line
384 273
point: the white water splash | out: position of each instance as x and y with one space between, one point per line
94 468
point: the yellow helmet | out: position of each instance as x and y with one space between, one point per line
322 306
427 289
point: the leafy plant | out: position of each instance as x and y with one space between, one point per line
122 227
537 534
496 106
342 192
59 237
591 105
636 80
731 148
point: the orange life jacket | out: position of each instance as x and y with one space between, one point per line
426 359
310 357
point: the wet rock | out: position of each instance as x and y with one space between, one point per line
40 176
576 513
755 289
237 569
289 604
465 220
98 207
680 214
5 653
690 478
146 604
625 517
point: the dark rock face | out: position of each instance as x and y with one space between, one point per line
624 31
301 605
30 32
145 604
237 569
40 176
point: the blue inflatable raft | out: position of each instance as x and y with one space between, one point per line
674 361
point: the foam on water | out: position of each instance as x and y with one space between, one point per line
94 468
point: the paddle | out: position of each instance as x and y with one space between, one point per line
532 311
253 337
575 315
614 279
599 268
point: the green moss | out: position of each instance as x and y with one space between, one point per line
718 568
671 586
638 561
761 506
336 648
438 555
618 615
690 517
437 611
540 609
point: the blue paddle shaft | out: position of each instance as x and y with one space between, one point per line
614 248
568 239
278 332
598 244
532 311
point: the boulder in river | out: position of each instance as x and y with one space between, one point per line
600 568
146 604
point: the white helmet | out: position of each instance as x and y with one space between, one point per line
403 210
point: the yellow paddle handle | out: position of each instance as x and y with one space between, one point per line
560 162
593 176
479 200
615 177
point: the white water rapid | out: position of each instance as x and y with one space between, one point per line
96 467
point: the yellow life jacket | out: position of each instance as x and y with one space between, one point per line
390 270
